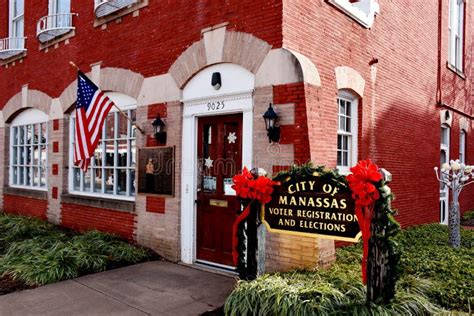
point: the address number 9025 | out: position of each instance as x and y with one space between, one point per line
215 106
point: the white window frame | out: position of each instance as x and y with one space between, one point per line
363 11
462 146
443 188
456 34
353 134
13 19
29 117
126 104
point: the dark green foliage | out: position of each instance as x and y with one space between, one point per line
427 254
38 253
431 273
468 215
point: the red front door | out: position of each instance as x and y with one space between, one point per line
220 158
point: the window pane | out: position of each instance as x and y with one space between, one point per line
36 177
339 158
44 133
109 126
348 124
122 127
97 179
43 155
122 153
109 181
132 181
122 182
76 179
15 135
44 177
21 135
133 128
98 155
36 156
109 153
133 151
15 175
14 155
87 181
28 176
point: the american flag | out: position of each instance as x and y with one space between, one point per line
92 107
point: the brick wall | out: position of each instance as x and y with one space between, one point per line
400 123
162 31
26 206
83 218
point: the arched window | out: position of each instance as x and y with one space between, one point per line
28 150
347 129
462 146
112 170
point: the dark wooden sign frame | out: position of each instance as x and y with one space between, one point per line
141 174
317 208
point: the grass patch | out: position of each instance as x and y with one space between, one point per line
434 274
38 253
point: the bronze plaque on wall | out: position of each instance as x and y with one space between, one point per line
156 167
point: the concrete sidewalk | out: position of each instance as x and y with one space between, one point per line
152 288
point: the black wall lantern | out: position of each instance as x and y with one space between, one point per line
273 131
158 129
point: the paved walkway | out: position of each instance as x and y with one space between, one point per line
152 288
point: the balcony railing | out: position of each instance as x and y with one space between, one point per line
106 7
11 46
54 25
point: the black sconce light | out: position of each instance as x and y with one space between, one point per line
273 131
158 129
216 80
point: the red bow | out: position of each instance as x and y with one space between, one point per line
247 187
364 175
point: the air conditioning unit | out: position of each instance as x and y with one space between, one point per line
446 117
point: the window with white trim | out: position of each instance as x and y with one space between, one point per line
456 34
17 18
346 131
112 170
462 146
29 150
362 11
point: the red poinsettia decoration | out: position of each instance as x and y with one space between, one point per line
255 188
362 183
248 187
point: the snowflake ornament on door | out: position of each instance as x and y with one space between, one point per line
208 162
231 138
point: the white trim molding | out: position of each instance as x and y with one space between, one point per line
195 107
363 11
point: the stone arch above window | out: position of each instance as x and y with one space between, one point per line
118 80
270 66
349 79
26 99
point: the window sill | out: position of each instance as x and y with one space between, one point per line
361 17
455 70
41 194
99 202
118 14
57 40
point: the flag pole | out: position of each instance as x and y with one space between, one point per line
120 110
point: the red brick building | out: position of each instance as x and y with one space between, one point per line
349 80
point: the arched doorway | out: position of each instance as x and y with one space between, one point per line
217 143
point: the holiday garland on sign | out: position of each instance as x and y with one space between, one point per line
253 189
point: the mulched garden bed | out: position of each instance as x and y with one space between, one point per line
8 285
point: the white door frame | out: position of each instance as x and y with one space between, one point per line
192 109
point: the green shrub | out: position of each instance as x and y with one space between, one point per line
18 228
468 215
38 253
433 274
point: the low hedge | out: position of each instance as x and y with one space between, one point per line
38 253
434 276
